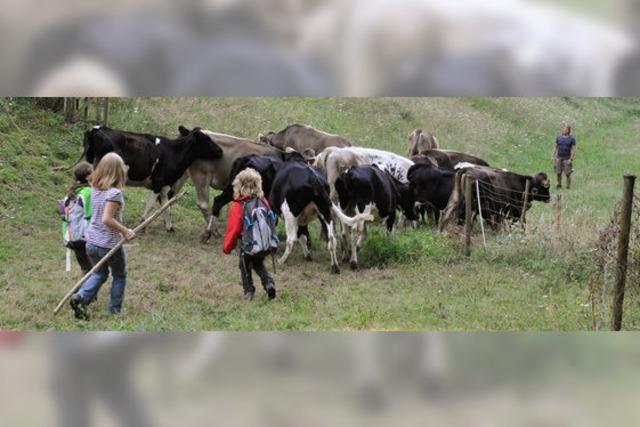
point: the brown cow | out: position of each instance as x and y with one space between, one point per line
501 194
302 137
447 159
420 141
215 173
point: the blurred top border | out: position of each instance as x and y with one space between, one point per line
320 48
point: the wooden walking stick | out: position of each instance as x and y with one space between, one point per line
121 243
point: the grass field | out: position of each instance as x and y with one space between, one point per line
538 280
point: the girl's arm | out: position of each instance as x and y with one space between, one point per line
108 218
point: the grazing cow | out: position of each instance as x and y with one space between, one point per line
266 166
154 162
367 188
431 187
299 193
448 159
420 141
215 173
501 194
336 160
302 137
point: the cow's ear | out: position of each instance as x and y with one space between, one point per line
201 137
183 130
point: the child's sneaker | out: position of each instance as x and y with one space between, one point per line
271 290
79 308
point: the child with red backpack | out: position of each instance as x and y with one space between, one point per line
75 210
252 221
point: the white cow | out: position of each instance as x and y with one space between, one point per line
336 160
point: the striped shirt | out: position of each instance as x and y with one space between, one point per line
98 233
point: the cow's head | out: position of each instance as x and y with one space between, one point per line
202 145
307 156
421 192
414 136
540 185
407 201
291 155
183 131
424 160
269 139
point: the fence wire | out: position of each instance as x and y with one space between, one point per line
499 207
604 260
502 207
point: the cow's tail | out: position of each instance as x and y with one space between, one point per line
68 168
354 220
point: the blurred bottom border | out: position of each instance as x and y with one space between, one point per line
270 378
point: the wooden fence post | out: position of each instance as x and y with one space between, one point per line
468 217
525 201
622 252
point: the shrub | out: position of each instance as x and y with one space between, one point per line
403 247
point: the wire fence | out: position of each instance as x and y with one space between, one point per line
615 254
498 207
606 266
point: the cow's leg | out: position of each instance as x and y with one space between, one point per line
291 227
356 233
389 222
323 231
344 236
164 198
202 194
302 239
332 245
304 229
151 201
401 220
356 239
362 234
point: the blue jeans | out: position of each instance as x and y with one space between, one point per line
118 265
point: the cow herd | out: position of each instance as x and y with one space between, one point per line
307 174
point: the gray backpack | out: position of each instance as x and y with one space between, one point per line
259 233
75 224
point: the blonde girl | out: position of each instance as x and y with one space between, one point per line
105 231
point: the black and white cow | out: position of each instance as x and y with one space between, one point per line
154 162
431 188
300 193
366 188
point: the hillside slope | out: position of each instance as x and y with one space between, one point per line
533 281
